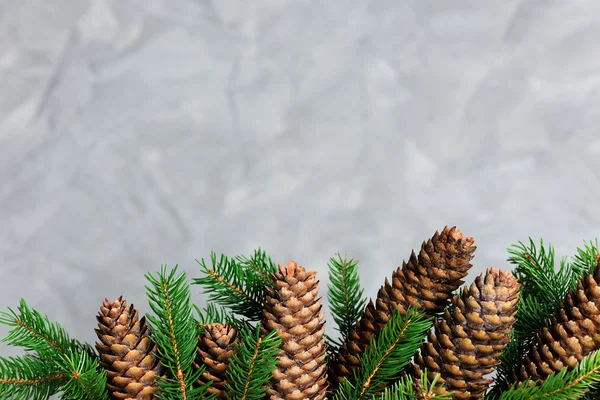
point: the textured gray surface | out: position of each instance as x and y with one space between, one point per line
141 132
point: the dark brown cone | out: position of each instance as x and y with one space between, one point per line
125 351
215 348
294 310
466 343
571 333
426 280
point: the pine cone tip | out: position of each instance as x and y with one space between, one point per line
291 269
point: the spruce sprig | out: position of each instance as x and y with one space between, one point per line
261 265
566 384
388 353
28 377
586 259
175 333
53 363
404 389
543 289
251 365
213 313
235 284
346 298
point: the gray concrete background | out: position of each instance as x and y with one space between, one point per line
141 132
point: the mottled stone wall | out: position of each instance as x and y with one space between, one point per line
141 132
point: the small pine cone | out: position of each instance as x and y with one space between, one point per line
466 343
126 352
294 310
214 350
426 280
570 334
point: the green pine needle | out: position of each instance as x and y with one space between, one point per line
175 333
250 367
573 384
345 295
28 377
213 313
404 389
58 363
543 289
586 259
238 285
387 354
260 265
86 383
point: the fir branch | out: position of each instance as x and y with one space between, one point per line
175 333
213 313
60 356
346 299
85 382
252 364
535 271
429 388
566 384
261 265
229 283
35 332
388 353
543 289
28 377
586 259
404 389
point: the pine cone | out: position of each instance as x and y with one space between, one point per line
294 310
426 280
215 348
571 333
466 343
125 351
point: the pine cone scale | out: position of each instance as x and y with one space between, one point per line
294 311
570 334
126 352
425 281
216 346
465 345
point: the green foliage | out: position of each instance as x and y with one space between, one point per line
388 353
404 389
28 377
53 361
565 384
346 298
251 365
238 284
213 313
543 289
587 258
175 333
260 267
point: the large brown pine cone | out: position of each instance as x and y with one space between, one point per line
426 280
214 350
294 310
125 351
465 344
570 334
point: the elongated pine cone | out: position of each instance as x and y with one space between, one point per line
126 352
466 343
426 280
294 310
570 334
214 350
